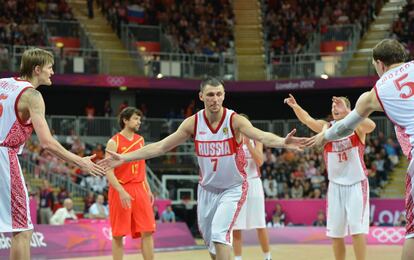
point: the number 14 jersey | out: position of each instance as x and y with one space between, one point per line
344 160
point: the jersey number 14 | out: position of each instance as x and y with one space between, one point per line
342 157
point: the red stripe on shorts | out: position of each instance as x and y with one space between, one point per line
18 194
364 186
409 227
245 186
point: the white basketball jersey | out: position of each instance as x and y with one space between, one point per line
344 159
252 169
13 133
395 92
220 157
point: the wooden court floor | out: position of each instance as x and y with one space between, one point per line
279 252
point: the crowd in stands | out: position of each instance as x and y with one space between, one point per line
19 20
287 174
289 24
200 27
403 27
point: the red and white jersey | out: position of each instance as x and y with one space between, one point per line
395 91
220 157
252 169
344 160
13 133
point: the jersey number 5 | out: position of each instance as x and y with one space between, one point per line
400 85
214 161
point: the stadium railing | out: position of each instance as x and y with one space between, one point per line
89 61
312 65
154 129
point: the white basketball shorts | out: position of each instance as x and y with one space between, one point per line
252 214
347 209
217 211
14 200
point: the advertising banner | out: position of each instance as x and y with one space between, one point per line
92 238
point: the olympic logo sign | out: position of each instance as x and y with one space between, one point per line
388 235
115 81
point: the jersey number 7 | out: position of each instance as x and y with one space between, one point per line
214 161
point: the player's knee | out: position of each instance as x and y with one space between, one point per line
146 234
118 239
237 234
23 235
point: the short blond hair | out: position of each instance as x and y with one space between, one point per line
347 102
34 57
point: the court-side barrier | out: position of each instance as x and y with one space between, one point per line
317 235
161 204
92 239
304 212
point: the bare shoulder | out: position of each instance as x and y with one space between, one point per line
188 125
239 121
31 96
31 93
111 145
372 100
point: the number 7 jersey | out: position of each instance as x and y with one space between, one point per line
395 90
221 159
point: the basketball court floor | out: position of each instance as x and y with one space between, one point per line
289 252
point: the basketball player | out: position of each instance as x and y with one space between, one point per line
393 94
252 214
348 192
130 198
217 133
22 109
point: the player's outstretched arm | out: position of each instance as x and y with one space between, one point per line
365 127
184 131
366 104
303 115
244 126
33 100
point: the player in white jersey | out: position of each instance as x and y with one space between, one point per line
222 188
393 94
252 214
21 110
348 195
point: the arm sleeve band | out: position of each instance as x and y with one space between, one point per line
344 127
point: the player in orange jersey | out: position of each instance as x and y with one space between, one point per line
130 197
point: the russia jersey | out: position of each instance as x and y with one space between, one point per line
131 171
252 169
344 160
220 157
395 90
14 201
13 133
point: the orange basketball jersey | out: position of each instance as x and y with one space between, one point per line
132 171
